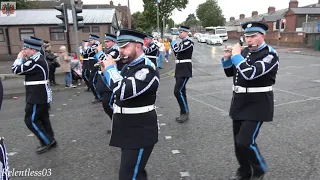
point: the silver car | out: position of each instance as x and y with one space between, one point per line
202 38
214 39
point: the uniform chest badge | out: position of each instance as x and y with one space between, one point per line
186 43
249 25
112 53
141 74
27 63
268 59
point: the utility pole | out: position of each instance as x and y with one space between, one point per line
158 17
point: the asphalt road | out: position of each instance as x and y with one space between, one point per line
289 144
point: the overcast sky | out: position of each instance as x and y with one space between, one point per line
229 7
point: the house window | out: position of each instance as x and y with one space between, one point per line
95 29
57 34
1 35
26 33
86 29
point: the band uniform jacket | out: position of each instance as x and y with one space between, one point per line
85 64
114 52
183 51
152 51
255 69
90 51
35 69
135 86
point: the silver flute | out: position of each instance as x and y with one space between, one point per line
118 59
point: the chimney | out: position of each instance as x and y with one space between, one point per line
271 9
242 16
293 4
232 19
254 13
111 3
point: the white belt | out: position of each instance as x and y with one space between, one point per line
91 57
151 56
239 89
183 61
30 83
135 110
86 59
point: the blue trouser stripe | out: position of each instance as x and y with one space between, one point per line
44 138
254 148
85 74
137 165
94 85
183 100
110 101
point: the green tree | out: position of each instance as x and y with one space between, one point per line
140 23
166 7
191 20
21 4
210 14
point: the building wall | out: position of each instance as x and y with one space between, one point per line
291 23
43 32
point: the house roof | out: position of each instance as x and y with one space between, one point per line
306 10
274 16
48 16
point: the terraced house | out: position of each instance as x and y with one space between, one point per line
293 26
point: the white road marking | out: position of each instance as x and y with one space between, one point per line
175 152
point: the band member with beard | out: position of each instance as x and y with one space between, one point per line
134 124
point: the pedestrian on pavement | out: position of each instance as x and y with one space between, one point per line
135 127
53 64
167 49
254 72
90 50
31 63
65 66
183 71
161 53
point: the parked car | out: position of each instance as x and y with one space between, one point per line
196 35
214 39
202 38
190 34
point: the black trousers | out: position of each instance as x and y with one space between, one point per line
133 163
246 148
86 76
107 103
37 120
4 161
93 81
52 71
180 94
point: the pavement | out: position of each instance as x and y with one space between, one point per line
201 149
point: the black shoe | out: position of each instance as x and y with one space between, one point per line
108 131
241 176
183 118
257 177
96 101
55 83
45 148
